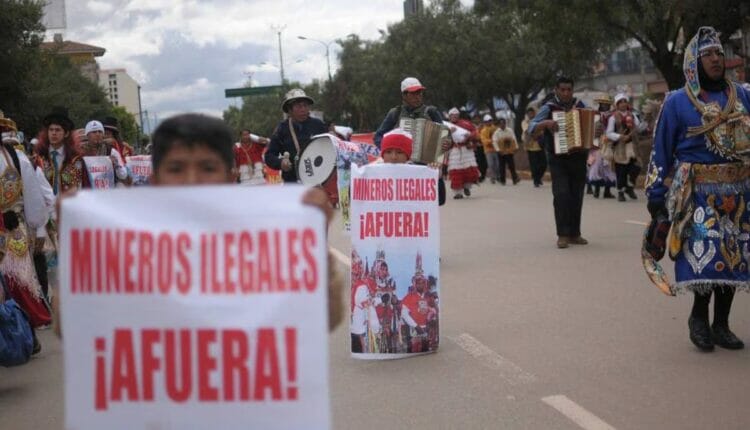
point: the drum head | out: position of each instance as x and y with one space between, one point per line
317 161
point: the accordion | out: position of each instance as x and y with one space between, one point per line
575 130
427 138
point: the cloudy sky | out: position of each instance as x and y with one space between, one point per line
184 53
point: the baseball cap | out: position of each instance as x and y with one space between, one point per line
92 126
409 85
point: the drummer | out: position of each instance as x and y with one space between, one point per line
292 134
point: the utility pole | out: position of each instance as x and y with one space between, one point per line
328 51
278 29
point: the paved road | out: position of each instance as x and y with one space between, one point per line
532 337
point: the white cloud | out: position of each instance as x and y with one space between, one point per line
150 38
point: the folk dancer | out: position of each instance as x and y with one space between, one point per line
248 157
702 141
533 146
568 170
23 212
364 324
600 173
419 314
462 164
293 134
505 139
623 128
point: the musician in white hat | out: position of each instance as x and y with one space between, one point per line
293 134
412 106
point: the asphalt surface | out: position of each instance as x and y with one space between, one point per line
532 337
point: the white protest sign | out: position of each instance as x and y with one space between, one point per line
101 172
395 261
140 169
194 308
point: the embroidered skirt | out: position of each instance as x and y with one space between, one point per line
710 241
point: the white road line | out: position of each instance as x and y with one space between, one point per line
508 370
576 413
343 259
636 222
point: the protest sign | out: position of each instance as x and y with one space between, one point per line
101 172
140 169
395 261
194 308
350 153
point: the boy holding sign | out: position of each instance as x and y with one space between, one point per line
231 303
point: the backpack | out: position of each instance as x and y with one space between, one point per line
16 337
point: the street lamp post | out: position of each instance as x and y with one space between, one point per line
328 52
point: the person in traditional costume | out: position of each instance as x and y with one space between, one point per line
568 170
57 155
417 313
462 164
702 141
23 212
505 139
248 157
364 324
600 173
623 128
112 131
534 150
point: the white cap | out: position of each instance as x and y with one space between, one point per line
487 117
411 84
621 96
34 141
92 126
453 111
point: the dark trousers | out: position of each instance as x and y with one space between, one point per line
40 266
481 162
626 175
357 343
537 164
507 160
568 184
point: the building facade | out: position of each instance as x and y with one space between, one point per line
121 90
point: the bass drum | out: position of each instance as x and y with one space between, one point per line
318 160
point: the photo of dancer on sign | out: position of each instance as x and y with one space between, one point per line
395 271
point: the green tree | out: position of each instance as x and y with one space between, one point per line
21 32
128 125
663 27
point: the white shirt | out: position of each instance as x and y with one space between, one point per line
615 137
364 312
34 207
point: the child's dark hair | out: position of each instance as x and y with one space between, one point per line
192 129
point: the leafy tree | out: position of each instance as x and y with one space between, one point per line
128 125
663 27
21 32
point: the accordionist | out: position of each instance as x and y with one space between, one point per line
568 170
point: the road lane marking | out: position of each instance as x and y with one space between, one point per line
508 370
628 221
343 259
576 413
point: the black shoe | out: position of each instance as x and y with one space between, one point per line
458 196
596 192
608 194
724 337
589 190
700 334
631 194
515 181
467 192
621 197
